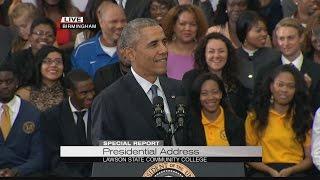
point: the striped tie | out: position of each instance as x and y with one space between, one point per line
5 123
154 92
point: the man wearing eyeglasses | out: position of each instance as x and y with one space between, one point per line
42 33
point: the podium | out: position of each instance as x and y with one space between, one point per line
208 169
127 159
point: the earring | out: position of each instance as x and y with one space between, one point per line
271 99
226 11
174 37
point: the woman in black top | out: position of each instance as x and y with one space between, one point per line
215 54
252 55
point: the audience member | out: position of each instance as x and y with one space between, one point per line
313 40
184 26
214 122
306 9
215 54
91 16
204 5
225 18
271 12
69 124
47 91
55 10
42 33
159 8
252 55
290 36
101 49
20 139
21 19
281 123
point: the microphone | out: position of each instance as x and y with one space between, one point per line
158 111
181 108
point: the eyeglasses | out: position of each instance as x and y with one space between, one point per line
49 61
42 33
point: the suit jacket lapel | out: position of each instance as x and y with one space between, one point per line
142 103
170 95
89 142
305 66
68 121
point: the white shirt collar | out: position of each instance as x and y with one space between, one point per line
14 107
73 109
124 2
108 50
250 52
297 62
146 85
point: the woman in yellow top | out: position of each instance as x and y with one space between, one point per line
214 122
281 124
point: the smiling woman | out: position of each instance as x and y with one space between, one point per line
253 54
48 89
213 122
184 26
215 54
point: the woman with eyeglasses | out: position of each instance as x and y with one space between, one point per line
281 122
42 33
48 89
55 10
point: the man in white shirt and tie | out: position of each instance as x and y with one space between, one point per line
69 124
290 36
124 110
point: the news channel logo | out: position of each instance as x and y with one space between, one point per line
168 169
76 23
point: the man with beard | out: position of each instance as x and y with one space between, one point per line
69 124
101 49
124 110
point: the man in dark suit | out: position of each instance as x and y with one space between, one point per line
289 35
124 110
21 152
69 124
